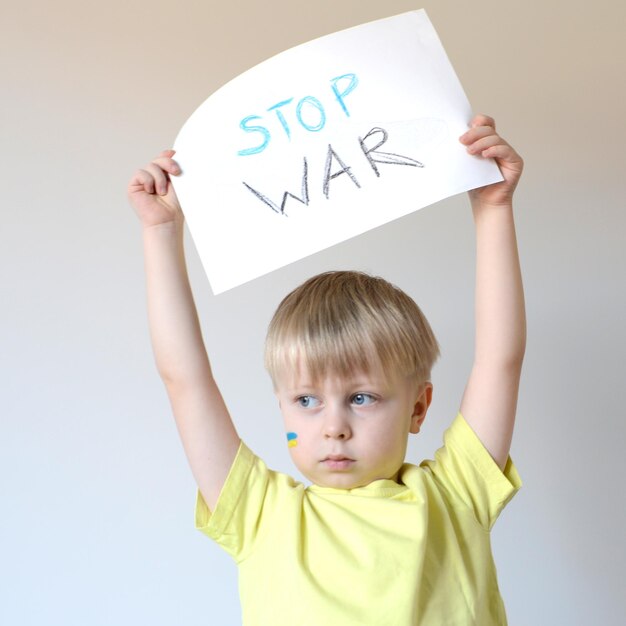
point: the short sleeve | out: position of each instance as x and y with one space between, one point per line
233 522
465 470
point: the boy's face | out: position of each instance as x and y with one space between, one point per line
347 432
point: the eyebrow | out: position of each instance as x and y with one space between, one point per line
356 383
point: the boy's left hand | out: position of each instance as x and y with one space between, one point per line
483 140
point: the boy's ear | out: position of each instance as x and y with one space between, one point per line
420 408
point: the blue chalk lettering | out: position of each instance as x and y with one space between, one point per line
316 104
254 129
281 117
354 81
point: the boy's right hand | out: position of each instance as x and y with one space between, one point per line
151 193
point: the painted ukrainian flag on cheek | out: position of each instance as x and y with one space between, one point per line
292 440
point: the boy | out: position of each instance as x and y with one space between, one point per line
373 540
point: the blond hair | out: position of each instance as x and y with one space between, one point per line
344 322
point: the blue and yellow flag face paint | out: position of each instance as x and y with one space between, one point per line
292 440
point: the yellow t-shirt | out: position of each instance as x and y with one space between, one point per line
415 552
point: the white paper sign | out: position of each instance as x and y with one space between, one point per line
321 143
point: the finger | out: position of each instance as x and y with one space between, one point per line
476 133
483 120
161 179
500 150
504 153
168 164
482 143
142 181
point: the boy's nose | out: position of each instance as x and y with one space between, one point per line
336 426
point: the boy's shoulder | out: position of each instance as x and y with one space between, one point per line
466 475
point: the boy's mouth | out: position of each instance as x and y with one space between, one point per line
337 462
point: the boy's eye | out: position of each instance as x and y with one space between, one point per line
308 402
363 399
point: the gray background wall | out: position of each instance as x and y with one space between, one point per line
96 499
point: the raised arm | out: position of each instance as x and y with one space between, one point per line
204 424
490 399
